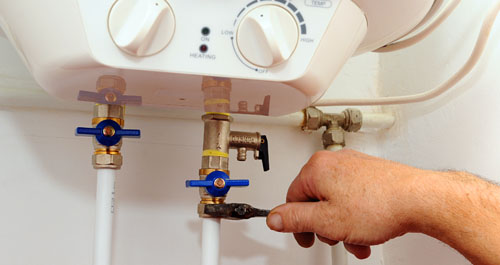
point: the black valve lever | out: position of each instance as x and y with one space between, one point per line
264 153
231 211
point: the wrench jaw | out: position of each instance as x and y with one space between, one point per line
230 211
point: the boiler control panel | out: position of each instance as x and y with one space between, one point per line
279 55
264 40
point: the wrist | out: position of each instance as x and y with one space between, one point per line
427 195
444 203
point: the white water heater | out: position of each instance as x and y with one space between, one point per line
283 54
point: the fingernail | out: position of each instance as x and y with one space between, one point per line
275 222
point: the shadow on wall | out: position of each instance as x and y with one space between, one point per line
236 231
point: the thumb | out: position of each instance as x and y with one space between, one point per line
299 217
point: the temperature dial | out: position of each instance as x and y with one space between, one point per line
267 35
141 27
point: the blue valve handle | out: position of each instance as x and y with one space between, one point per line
209 183
107 140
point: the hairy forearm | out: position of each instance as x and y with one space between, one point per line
363 200
463 211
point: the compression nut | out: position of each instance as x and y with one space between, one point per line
333 136
109 161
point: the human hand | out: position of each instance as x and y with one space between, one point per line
348 196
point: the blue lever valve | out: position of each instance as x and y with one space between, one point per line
108 132
218 183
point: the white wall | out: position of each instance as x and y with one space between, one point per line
456 131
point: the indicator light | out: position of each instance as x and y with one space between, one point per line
205 31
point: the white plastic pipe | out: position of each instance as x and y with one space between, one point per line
334 147
210 241
339 254
377 121
476 54
441 17
371 121
104 216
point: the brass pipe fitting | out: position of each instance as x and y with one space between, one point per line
217 122
333 136
349 120
218 138
216 141
104 156
353 120
107 123
117 84
215 155
242 154
111 81
206 171
217 94
108 112
243 142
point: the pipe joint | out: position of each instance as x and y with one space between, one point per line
245 141
334 136
337 124
351 120
107 161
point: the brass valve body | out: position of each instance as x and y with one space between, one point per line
107 156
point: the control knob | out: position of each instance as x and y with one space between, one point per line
141 27
267 35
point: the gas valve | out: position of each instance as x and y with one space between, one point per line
218 183
108 132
